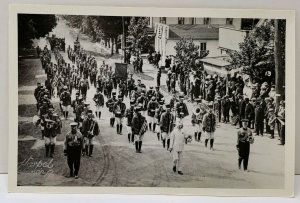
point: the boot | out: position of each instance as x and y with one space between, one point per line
149 126
129 137
168 144
113 122
87 150
67 114
111 125
154 126
132 137
136 147
206 141
211 144
43 134
117 129
120 130
47 150
140 146
199 136
52 147
64 113
99 114
195 134
164 143
91 150
158 136
96 114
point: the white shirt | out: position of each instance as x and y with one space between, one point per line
177 139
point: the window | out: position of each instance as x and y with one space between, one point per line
203 46
229 21
206 21
193 21
162 20
180 21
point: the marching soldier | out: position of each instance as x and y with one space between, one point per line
129 115
99 102
119 110
197 118
110 105
90 129
181 109
158 95
138 127
167 123
143 102
152 106
209 127
158 112
244 139
65 99
72 149
78 111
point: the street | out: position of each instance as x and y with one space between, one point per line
115 162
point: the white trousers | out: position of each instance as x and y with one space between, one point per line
177 159
50 140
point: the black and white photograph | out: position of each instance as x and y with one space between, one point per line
141 101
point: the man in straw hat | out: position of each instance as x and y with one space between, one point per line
178 139
72 149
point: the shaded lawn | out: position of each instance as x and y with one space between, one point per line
27 70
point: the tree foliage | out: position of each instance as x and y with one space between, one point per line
33 26
256 54
138 35
188 53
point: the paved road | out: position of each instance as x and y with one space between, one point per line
115 162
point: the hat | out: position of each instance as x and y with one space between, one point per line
120 97
80 98
153 97
168 106
137 108
86 104
65 87
55 115
271 109
245 120
73 124
89 111
157 87
197 99
151 87
113 93
139 80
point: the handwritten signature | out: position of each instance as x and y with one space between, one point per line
38 167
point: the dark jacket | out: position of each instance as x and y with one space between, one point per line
167 122
137 123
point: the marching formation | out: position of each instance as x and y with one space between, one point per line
147 109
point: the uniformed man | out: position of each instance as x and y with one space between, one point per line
138 127
178 138
152 106
158 95
78 111
110 104
119 109
181 109
72 149
167 123
158 112
143 102
197 118
90 129
129 115
209 127
244 139
99 102
65 99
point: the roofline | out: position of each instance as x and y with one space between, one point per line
193 38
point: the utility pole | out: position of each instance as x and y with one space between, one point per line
124 39
279 55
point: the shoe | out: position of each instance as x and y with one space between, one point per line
174 169
180 173
76 177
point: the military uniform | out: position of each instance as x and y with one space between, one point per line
90 129
138 127
181 110
72 149
152 106
65 99
209 127
129 115
167 122
119 109
99 101
158 112
110 105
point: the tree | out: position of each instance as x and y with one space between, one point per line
279 55
188 53
138 35
256 54
33 26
